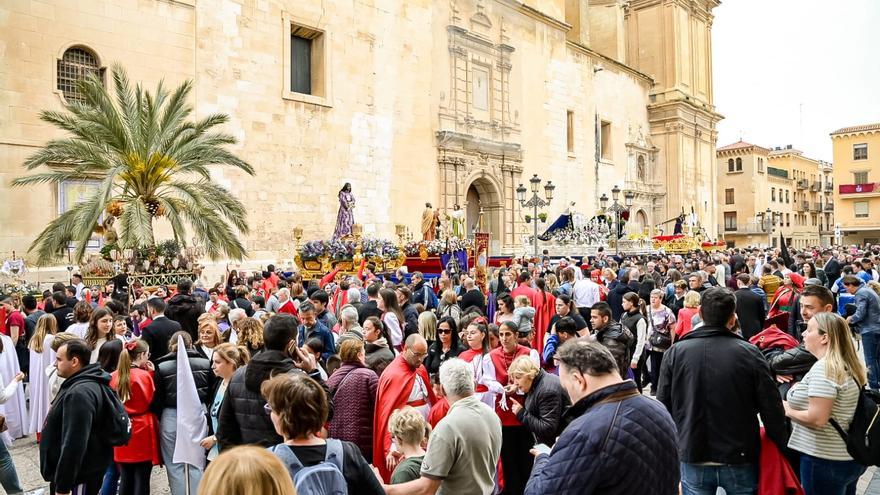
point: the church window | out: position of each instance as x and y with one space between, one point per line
76 65
569 130
739 164
760 165
730 165
306 62
605 140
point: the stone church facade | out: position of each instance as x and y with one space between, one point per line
442 101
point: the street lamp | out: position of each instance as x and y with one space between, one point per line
617 209
535 201
768 217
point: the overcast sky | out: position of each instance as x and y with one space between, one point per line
792 71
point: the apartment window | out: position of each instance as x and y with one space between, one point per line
860 177
772 194
787 220
569 130
860 209
739 164
760 165
74 66
860 152
605 140
729 220
728 196
786 195
306 62
730 165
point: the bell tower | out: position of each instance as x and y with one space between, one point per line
671 40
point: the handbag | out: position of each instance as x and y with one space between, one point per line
660 341
3 425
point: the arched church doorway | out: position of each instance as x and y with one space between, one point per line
483 193
640 223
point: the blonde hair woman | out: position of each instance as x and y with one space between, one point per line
209 335
687 313
545 401
829 392
449 306
428 326
247 470
41 357
225 359
250 334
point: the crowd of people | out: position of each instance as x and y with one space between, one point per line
635 374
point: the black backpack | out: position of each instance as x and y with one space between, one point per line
863 438
116 429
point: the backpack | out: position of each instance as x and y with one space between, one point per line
863 438
116 429
324 478
431 301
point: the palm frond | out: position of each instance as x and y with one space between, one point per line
136 225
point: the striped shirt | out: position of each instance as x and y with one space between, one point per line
824 442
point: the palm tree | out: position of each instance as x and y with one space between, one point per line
149 160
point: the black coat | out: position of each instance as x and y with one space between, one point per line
436 356
615 299
714 383
368 309
72 449
64 317
186 309
244 304
832 271
750 312
157 334
242 417
543 408
473 298
165 379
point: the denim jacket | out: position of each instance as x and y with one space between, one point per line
867 315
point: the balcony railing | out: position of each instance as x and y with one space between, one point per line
803 183
829 206
829 187
815 186
801 205
745 228
869 187
816 207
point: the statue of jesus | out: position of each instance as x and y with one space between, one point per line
429 223
345 217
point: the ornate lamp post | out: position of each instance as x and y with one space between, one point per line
617 209
535 202
768 220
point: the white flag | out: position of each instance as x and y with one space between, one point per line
192 426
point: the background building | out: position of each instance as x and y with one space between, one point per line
452 102
758 184
857 197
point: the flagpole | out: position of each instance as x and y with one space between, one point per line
186 473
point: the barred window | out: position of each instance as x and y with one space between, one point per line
75 65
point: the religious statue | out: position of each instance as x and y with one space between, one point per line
345 217
679 223
456 222
429 223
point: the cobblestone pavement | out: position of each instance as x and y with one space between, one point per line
27 461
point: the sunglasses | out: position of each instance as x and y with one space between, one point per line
444 332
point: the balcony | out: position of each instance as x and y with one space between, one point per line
829 206
745 228
801 206
815 207
815 186
803 183
866 188
829 187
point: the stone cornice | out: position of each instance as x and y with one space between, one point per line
606 59
536 14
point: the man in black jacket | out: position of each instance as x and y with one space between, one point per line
159 332
831 267
616 337
473 297
63 312
749 307
715 384
73 452
371 307
243 419
184 308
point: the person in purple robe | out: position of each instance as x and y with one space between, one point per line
345 217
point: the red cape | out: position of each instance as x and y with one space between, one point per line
395 386
544 312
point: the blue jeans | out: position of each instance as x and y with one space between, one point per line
824 477
736 479
111 480
8 475
871 348
176 471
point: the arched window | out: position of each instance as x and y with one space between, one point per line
75 65
739 164
730 165
640 168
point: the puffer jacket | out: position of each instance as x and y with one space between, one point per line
165 379
242 417
606 441
354 385
544 405
186 309
378 355
620 341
